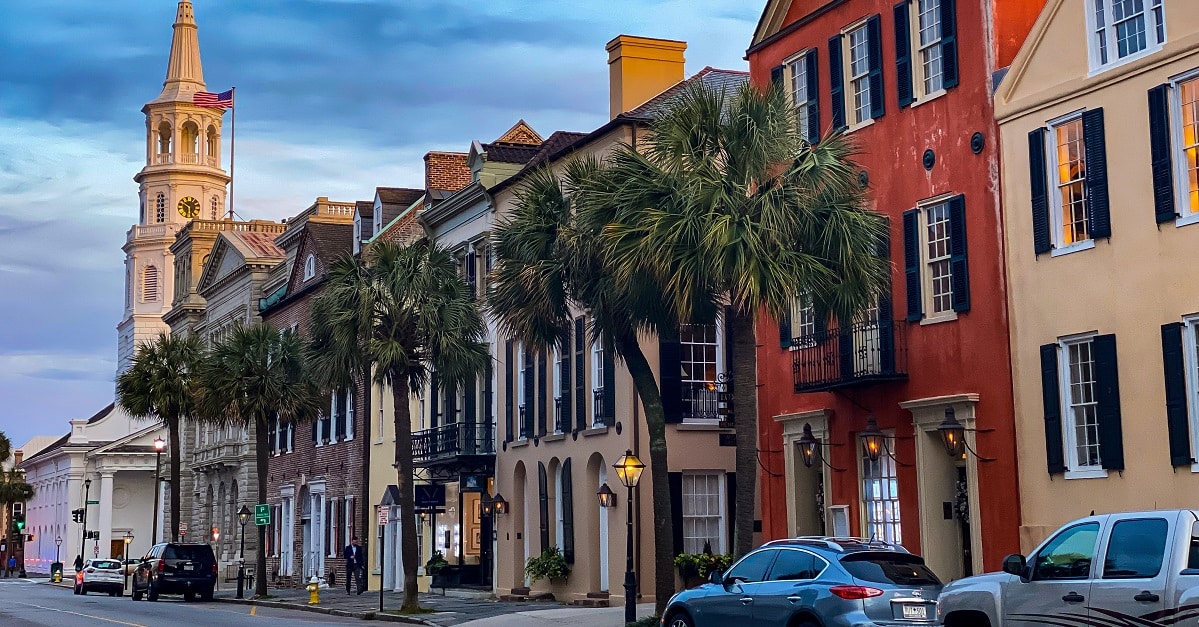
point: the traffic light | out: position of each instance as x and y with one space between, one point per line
19 519
77 515
29 538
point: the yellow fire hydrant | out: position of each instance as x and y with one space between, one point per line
314 591
57 577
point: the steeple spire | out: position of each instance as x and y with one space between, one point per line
185 75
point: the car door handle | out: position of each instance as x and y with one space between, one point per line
746 600
1146 597
793 599
1073 597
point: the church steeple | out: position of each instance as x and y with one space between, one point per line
185 75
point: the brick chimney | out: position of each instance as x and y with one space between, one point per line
640 68
446 170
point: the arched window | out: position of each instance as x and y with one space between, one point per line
149 284
190 137
160 207
215 203
164 139
213 148
309 266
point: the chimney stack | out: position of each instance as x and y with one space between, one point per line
640 68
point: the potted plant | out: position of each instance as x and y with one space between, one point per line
549 565
695 568
439 569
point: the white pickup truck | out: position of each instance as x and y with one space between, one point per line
1112 570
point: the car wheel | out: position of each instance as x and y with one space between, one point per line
112 593
206 594
680 619
151 592
136 595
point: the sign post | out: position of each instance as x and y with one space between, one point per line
182 529
383 510
262 514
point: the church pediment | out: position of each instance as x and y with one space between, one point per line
224 260
520 133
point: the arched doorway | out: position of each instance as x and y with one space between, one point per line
520 528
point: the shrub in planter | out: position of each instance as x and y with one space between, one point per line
436 563
549 565
701 565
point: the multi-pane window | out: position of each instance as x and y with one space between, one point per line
598 412
1186 95
937 253
880 499
699 360
804 102
859 73
1123 29
309 266
703 512
1080 405
215 203
928 24
1071 219
160 207
560 360
803 321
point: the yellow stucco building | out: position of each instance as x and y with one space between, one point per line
1098 117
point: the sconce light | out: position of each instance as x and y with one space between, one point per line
874 442
808 447
953 436
607 498
499 506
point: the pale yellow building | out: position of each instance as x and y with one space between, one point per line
1098 117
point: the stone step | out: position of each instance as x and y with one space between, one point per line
590 602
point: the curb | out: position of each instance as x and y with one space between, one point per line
316 609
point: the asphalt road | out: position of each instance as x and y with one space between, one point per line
25 603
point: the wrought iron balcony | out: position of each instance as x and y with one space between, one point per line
601 414
708 400
864 352
448 442
560 425
525 416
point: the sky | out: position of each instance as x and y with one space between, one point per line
335 98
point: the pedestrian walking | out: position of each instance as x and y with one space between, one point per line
78 563
355 566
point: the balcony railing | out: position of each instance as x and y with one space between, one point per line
860 353
560 425
163 158
602 414
189 158
708 400
526 421
453 440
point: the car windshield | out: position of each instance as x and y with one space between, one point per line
106 564
898 569
190 553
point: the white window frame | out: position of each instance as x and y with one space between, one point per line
349 432
1190 361
520 394
357 233
920 91
1154 15
718 547
382 417
803 322
1066 402
847 92
597 377
1056 219
558 357
926 274
889 468
720 366
1182 192
797 75
309 266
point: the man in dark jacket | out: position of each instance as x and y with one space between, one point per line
355 565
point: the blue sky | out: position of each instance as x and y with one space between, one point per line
335 97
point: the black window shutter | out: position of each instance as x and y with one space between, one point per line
316 425
470 400
911 263
1096 174
327 425
434 393
580 376
836 81
451 405
785 330
542 386
1051 400
958 267
1176 395
564 377
470 272
528 410
1162 160
543 499
1038 178
272 428
675 479
568 515
609 386
1107 397
488 392
728 343
874 51
903 53
776 77
813 72
730 491
509 391
670 357
949 44
886 326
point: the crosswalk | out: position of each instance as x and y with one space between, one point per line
17 581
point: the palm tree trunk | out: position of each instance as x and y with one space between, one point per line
173 435
745 423
404 470
262 463
655 423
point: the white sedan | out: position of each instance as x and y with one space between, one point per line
100 576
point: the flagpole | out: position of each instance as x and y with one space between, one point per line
232 145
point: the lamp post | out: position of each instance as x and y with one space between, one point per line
159 444
124 567
87 489
57 546
243 516
629 469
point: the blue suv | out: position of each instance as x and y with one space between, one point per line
814 582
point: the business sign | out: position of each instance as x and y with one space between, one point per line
473 483
262 514
429 496
384 510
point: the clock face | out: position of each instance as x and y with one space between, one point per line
189 207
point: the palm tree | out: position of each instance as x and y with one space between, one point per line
257 374
725 202
160 385
13 487
549 265
403 314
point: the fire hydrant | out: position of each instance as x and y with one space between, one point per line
314 591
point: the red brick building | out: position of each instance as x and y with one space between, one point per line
912 84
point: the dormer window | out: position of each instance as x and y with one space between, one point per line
1123 30
309 266
378 217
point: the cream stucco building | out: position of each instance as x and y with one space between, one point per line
1099 116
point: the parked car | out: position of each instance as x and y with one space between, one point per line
1137 568
100 576
131 565
176 568
813 582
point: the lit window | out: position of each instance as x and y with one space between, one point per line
1069 196
700 363
1124 30
880 499
703 512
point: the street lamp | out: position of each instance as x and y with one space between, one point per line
128 537
159 444
953 436
57 546
87 489
629 469
498 505
607 498
243 516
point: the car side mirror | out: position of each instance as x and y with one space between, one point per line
1015 564
716 577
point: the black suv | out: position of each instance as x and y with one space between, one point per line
176 568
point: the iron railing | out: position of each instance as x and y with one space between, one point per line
560 425
452 440
705 400
526 421
860 353
602 414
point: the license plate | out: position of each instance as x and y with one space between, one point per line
192 567
916 612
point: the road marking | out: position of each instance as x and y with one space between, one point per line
107 620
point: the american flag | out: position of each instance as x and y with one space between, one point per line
223 100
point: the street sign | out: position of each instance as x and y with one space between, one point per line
182 528
96 551
262 514
383 512
93 502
